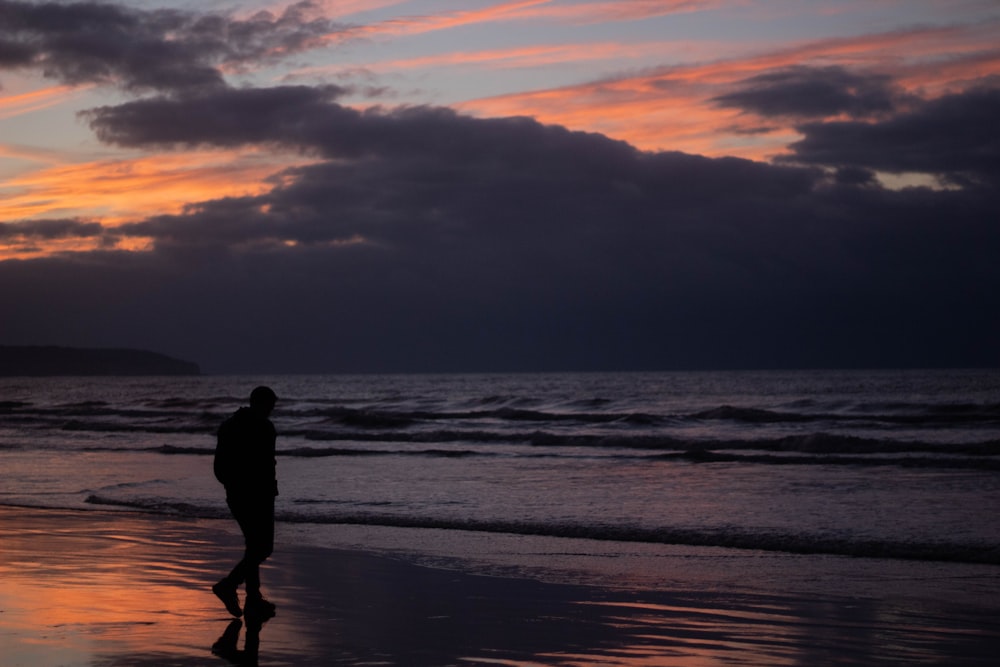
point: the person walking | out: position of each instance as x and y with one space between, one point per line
245 465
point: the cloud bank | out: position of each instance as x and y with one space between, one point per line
421 239
166 49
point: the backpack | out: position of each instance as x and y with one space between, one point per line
226 447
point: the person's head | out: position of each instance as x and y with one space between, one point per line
262 399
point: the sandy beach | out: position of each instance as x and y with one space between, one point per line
113 588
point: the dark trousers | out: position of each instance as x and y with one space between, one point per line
256 519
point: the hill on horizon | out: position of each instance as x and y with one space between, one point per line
52 360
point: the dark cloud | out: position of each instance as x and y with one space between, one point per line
855 176
222 117
814 92
391 172
427 240
93 42
308 119
49 229
841 276
953 137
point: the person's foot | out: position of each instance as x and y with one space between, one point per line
227 594
259 608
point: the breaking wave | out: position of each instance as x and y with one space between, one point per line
731 538
793 450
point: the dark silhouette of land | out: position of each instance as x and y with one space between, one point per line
34 360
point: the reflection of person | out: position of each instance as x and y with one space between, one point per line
244 463
226 646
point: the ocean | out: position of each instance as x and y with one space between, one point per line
897 465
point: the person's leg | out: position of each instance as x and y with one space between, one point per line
243 512
246 568
259 531
238 574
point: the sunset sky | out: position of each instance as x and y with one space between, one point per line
476 185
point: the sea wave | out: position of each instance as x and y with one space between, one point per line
160 506
807 442
731 538
707 456
582 411
815 449
887 412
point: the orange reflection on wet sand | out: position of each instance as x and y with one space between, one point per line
79 586
691 636
111 589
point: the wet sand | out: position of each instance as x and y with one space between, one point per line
111 588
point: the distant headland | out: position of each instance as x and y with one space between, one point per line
34 360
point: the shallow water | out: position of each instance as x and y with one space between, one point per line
887 464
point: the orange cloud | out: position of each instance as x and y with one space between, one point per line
620 10
337 8
410 25
530 56
666 110
29 153
121 190
670 108
35 100
523 10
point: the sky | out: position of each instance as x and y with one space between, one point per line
491 185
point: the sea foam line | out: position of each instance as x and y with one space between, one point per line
730 538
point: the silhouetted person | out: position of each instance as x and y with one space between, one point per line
245 464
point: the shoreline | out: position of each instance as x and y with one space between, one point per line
120 588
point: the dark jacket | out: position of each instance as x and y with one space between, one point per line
244 456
